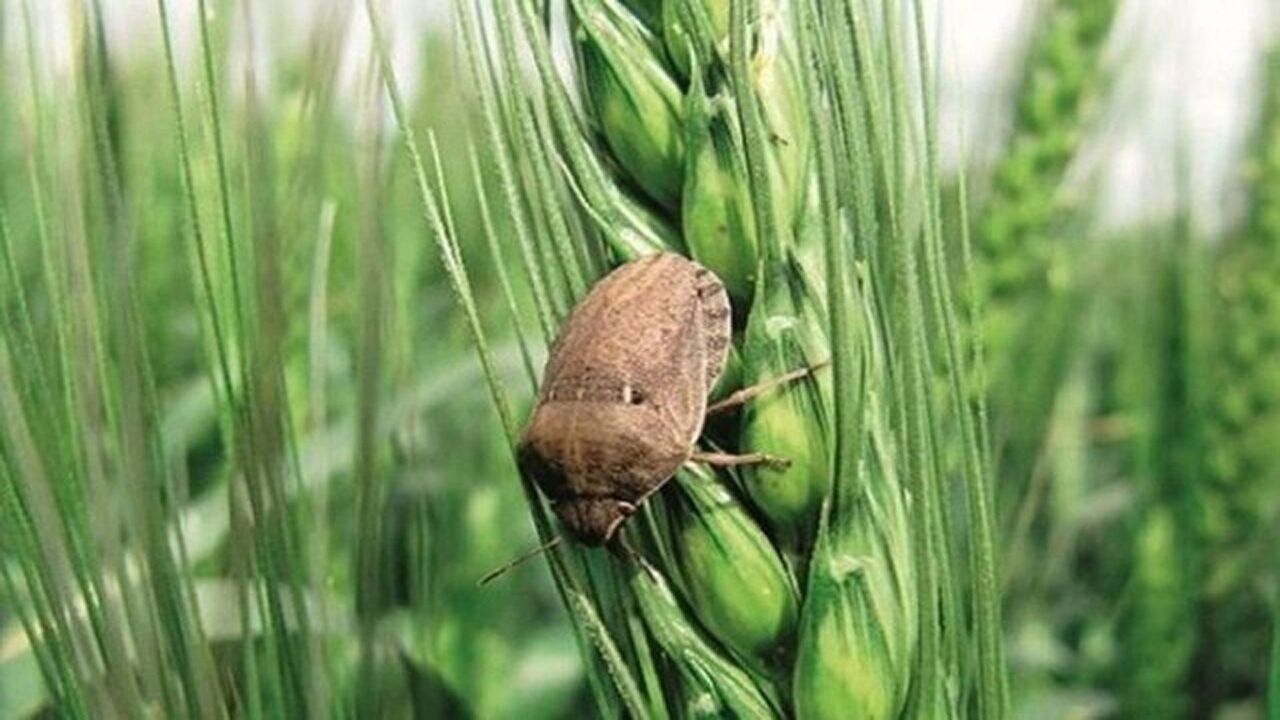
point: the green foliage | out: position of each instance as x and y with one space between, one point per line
269 328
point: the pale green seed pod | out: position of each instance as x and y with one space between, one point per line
712 684
717 217
858 631
855 652
775 82
731 574
843 669
776 79
786 332
637 103
715 15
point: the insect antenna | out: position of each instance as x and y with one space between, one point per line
501 570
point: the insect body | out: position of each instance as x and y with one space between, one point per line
625 390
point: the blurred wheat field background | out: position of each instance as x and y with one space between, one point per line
278 281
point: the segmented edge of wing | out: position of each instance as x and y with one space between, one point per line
716 322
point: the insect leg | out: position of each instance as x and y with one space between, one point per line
729 460
746 394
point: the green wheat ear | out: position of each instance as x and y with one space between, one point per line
1243 450
739 133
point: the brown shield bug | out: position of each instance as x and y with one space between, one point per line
624 394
